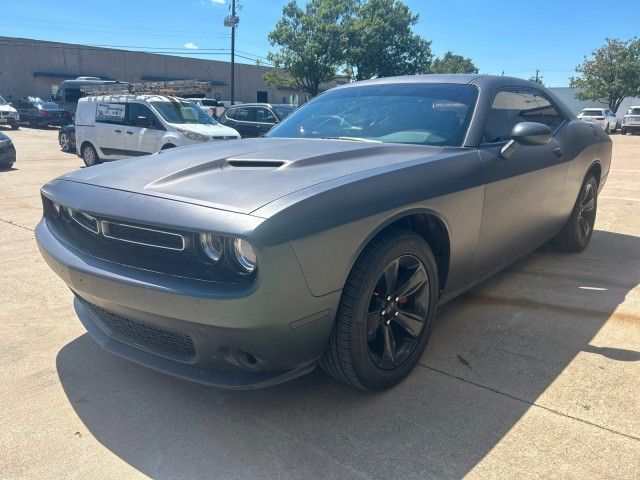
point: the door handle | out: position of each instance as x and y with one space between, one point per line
118 131
558 152
130 133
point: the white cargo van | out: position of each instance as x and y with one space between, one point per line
120 126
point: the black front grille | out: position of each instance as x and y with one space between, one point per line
144 334
143 236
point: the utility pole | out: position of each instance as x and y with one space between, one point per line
232 21
537 76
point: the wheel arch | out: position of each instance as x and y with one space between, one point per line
596 170
427 223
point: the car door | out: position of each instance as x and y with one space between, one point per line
142 136
523 192
110 125
265 120
244 121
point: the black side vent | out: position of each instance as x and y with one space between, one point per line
255 163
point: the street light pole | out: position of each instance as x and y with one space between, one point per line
232 21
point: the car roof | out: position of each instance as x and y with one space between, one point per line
262 105
481 80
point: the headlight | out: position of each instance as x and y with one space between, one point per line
212 246
198 137
56 208
245 255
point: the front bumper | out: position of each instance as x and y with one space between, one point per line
243 336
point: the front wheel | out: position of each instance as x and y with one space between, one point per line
89 155
608 128
576 234
15 126
386 313
65 142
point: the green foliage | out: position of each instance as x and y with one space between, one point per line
381 42
312 43
611 74
452 63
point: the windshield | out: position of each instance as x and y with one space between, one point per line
183 112
592 113
415 113
632 111
282 111
3 101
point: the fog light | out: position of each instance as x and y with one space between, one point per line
212 246
245 255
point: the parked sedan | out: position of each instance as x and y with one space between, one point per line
255 119
67 138
7 152
330 242
600 116
39 113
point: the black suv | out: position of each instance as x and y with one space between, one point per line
39 113
254 119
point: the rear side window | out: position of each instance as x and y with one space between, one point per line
243 114
112 113
511 107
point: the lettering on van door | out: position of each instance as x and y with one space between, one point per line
110 112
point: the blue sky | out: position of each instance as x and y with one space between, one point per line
515 36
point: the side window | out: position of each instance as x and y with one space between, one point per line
135 110
511 107
112 113
243 114
264 115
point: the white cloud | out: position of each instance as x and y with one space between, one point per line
191 46
218 2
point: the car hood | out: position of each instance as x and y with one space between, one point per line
205 129
244 175
7 108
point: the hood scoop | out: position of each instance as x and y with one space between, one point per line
253 164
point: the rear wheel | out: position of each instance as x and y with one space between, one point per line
576 234
89 155
386 313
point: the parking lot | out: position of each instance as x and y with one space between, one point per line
533 374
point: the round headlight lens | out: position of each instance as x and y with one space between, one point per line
212 246
245 255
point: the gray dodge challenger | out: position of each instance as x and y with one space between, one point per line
332 240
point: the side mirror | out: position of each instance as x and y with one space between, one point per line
142 122
526 133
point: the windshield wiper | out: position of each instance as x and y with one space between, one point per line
353 139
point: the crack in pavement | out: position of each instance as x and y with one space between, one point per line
518 399
9 222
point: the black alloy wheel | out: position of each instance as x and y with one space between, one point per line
397 312
386 312
576 233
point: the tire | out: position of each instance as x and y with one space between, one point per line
15 126
89 155
608 128
366 321
576 234
623 131
65 142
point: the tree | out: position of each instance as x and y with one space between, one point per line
537 78
312 44
381 42
452 63
611 74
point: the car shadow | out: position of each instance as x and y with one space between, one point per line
494 351
11 169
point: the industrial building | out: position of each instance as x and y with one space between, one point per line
35 67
